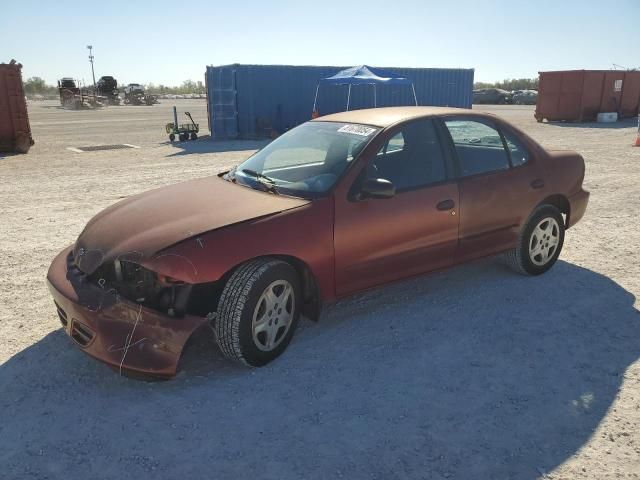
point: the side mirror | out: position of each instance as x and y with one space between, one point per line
377 188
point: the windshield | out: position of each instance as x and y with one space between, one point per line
306 161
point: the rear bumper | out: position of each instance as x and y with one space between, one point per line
115 331
578 203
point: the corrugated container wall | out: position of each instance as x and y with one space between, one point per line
15 131
248 101
579 95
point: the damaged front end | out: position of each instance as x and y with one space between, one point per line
125 314
144 287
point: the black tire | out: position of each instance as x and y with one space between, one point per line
172 137
239 299
519 258
23 143
194 136
181 137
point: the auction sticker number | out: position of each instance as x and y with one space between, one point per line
357 130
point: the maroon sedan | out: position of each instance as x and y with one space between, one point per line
338 205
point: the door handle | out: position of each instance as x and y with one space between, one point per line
446 205
537 183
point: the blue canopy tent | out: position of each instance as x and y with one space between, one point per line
364 75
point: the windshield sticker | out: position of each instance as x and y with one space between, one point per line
357 130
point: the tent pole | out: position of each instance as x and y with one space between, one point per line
414 94
375 100
315 100
348 97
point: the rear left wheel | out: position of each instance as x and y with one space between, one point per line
258 311
540 242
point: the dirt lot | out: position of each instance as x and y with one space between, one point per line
472 373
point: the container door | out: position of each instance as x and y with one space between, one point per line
630 94
591 95
223 99
612 92
559 96
570 96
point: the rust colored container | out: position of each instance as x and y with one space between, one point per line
579 95
15 131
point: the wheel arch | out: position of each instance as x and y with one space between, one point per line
312 300
561 202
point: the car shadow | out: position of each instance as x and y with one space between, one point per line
205 144
4 155
475 372
623 123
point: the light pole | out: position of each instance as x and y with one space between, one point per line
89 47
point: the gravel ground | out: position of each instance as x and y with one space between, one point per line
471 373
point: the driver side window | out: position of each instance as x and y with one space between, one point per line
411 158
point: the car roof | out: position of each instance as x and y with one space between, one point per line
386 116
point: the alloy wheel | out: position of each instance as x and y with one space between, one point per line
273 315
543 242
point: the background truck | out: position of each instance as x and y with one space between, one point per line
134 94
107 87
74 97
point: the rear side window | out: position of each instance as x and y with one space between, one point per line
412 158
518 152
479 147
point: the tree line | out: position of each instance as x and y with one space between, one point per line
188 86
37 86
511 84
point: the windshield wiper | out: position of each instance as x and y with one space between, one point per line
230 176
268 182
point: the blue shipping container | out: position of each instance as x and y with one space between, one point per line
249 101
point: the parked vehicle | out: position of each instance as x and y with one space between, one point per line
335 206
525 97
107 87
134 94
69 93
72 96
495 96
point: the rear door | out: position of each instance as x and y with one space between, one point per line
381 240
499 184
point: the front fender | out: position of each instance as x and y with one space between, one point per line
305 233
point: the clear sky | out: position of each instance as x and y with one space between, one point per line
168 42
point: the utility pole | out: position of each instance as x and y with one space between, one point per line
89 47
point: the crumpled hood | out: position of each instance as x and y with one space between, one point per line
140 226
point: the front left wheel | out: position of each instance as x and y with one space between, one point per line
258 311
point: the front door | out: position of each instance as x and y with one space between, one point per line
415 231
